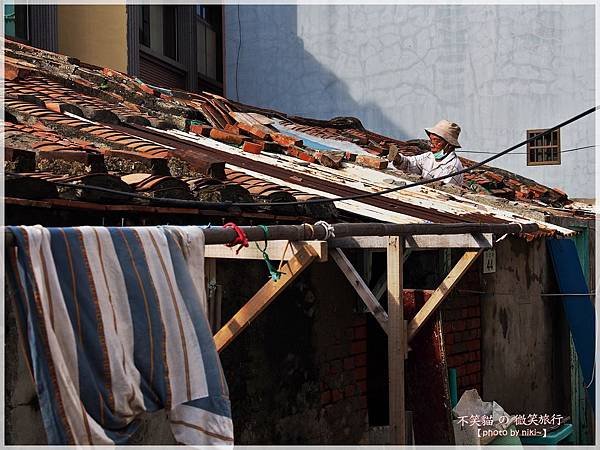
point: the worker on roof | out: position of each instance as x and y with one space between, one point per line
441 160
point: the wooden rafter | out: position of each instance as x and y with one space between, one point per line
360 286
303 257
442 292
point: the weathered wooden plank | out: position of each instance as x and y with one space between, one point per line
396 340
275 249
472 240
442 291
263 120
269 292
418 242
360 287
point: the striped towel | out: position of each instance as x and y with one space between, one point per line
114 324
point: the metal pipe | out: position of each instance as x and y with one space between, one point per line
304 232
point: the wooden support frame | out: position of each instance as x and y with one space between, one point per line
303 257
360 287
397 342
393 323
440 294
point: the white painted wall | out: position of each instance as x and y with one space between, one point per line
495 70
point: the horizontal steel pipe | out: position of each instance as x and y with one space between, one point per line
318 232
220 235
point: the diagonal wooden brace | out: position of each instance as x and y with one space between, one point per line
360 286
440 294
303 257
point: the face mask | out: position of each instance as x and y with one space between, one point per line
439 155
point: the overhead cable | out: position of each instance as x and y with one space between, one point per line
221 205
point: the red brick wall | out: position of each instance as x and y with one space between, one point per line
461 318
344 372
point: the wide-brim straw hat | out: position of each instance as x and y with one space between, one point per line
448 131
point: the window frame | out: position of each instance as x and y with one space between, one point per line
554 145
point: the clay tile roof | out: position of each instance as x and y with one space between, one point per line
168 142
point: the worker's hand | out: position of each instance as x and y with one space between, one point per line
401 162
392 153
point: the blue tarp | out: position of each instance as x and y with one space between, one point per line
579 309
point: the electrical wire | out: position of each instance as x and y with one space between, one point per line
524 153
219 205
450 175
239 49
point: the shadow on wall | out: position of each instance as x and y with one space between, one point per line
310 86
497 70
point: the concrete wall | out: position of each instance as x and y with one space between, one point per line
525 342
96 34
495 70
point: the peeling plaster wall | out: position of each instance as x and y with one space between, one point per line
495 70
525 340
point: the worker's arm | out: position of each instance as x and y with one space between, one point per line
410 164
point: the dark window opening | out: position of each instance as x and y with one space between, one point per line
145 26
545 150
210 14
16 21
170 32
209 46
158 30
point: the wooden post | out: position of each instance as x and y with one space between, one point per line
396 339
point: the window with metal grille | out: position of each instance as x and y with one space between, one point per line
545 150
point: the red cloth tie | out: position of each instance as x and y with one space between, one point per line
241 239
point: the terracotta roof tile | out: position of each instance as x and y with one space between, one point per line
51 84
